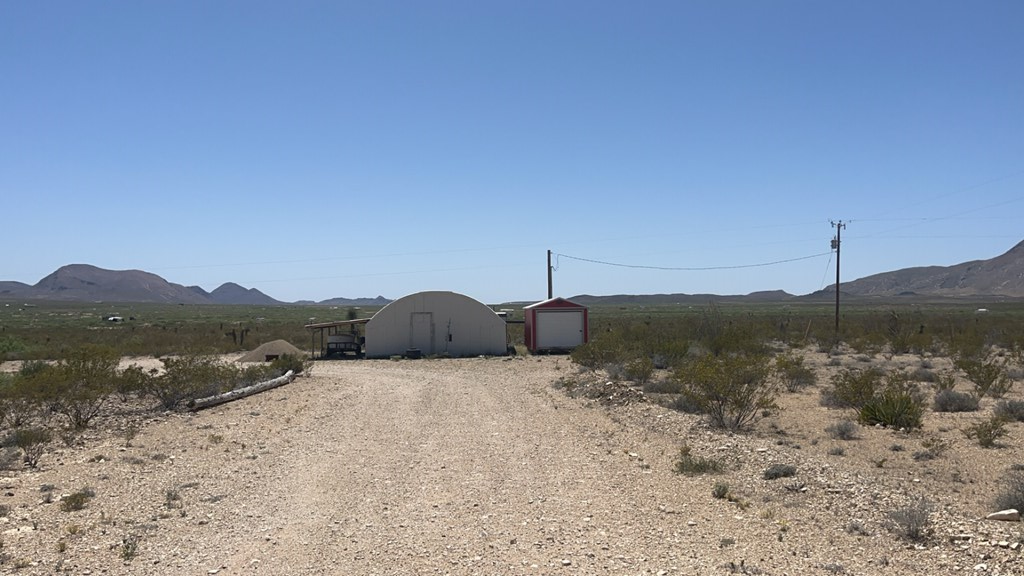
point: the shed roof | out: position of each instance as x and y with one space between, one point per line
336 323
556 302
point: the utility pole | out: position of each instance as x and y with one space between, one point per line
550 291
837 244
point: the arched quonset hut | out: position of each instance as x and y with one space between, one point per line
435 323
555 325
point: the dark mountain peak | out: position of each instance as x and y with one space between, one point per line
87 282
231 293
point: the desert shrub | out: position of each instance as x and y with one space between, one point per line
683 403
852 388
953 401
76 500
1010 410
720 491
836 451
662 386
32 442
132 381
129 547
187 378
989 376
794 374
732 390
945 381
899 334
285 362
690 465
987 431
931 448
79 385
30 368
924 375
606 348
776 471
639 369
843 430
10 347
1011 491
721 336
912 521
20 400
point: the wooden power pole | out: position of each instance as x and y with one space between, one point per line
837 243
550 287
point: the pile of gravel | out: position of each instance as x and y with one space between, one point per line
272 349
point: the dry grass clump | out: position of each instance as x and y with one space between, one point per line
690 465
913 521
776 471
843 430
953 401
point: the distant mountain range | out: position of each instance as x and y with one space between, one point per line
999 277
85 283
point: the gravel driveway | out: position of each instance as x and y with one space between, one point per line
470 466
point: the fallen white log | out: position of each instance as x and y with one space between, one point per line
241 392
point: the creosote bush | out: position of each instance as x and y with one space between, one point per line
852 388
189 377
987 432
989 376
32 442
285 362
733 391
79 385
639 370
795 375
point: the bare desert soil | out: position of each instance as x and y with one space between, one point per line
482 466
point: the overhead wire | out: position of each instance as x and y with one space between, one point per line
692 268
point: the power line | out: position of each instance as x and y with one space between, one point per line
692 268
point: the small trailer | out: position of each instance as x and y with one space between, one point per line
343 344
338 338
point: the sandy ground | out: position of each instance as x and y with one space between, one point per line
481 466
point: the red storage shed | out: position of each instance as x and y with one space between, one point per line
555 325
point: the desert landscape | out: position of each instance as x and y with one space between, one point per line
516 465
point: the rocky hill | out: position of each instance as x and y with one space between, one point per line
231 293
83 282
999 276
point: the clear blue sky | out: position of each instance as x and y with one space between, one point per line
323 149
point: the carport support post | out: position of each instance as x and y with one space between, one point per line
550 291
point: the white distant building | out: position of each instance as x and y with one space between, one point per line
436 323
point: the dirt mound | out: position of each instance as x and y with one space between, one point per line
272 349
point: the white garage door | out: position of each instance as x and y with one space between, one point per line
559 329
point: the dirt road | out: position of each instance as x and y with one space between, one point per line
449 468
472 466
